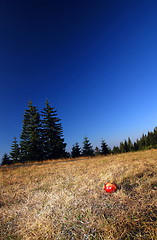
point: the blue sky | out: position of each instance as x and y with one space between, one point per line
95 61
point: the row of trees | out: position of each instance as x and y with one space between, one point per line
41 137
147 141
87 149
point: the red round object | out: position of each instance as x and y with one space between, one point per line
110 187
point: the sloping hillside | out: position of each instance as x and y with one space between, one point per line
67 201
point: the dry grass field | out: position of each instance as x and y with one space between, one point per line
66 200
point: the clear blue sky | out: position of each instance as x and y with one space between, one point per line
95 61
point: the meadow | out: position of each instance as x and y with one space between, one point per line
66 200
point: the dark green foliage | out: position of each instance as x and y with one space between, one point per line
115 150
97 151
155 135
67 154
126 148
52 134
130 145
104 148
147 141
87 148
15 152
151 139
6 160
121 147
136 145
143 142
76 151
31 138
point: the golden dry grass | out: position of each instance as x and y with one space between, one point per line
66 200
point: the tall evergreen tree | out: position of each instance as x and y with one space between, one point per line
76 151
31 140
87 148
104 148
54 145
15 151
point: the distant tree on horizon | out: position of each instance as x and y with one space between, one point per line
97 151
76 150
155 137
130 145
5 160
143 142
104 148
15 151
87 149
121 147
136 145
115 150
126 147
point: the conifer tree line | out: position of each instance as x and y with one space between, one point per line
42 139
147 141
88 150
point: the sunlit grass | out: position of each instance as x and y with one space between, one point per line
66 200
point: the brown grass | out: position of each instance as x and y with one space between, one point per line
67 201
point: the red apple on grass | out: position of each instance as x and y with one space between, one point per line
110 187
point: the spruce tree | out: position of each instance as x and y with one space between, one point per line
31 141
104 148
130 145
5 159
52 134
115 150
155 137
121 147
142 142
87 148
97 151
136 145
126 148
150 139
76 151
15 151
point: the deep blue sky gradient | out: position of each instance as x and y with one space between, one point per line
95 61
